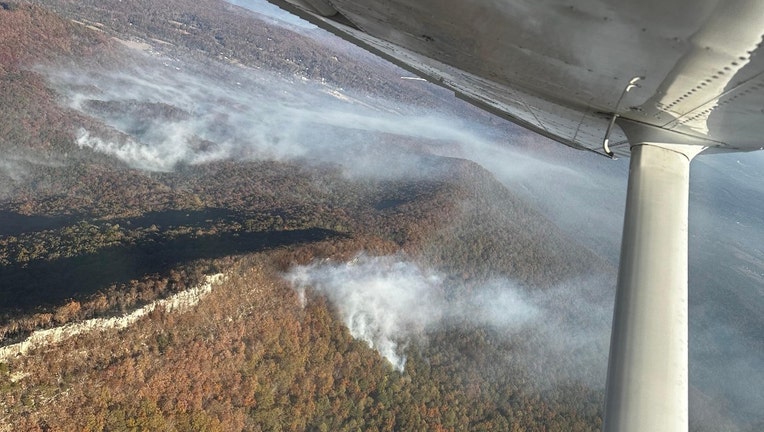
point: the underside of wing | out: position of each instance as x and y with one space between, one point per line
568 69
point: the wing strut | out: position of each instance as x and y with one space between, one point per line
647 382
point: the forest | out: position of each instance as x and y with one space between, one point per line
85 235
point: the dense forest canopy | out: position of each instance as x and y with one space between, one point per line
361 280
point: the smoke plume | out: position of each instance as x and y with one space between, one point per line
389 301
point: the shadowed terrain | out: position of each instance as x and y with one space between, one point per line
44 283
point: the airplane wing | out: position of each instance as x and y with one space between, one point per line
568 70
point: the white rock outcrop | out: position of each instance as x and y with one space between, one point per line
176 303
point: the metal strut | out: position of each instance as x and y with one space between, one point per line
647 382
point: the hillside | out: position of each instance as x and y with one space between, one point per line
149 145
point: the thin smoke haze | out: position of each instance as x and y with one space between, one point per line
184 115
388 301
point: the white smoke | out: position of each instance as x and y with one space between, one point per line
382 300
133 153
168 112
386 301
